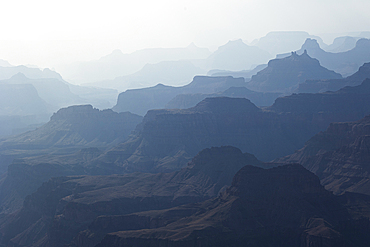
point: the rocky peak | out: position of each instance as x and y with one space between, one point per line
72 112
285 74
311 44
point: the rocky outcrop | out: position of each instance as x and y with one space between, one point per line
64 206
139 101
284 75
282 206
346 63
60 147
78 126
339 156
347 104
168 137
315 86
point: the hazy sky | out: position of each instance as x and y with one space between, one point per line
46 33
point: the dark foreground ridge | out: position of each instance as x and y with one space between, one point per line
339 156
65 206
283 206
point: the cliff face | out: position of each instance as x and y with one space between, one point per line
62 207
346 63
78 126
316 86
339 156
284 75
282 206
167 138
54 149
139 101
347 104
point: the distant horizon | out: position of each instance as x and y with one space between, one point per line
47 47
48 33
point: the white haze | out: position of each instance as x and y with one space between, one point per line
51 33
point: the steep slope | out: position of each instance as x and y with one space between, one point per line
54 91
60 141
78 126
139 101
291 209
21 100
347 104
339 156
168 137
284 75
345 63
315 86
64 206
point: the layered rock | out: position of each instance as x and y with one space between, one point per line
315 86
284 75
78 126
139 101
64 206
54 149
283 206
346 63
347 104
167 138
339 156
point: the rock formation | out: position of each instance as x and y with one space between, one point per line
282 206
339 156
80 125
316 86
139 101
64 206
284 75
346 63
